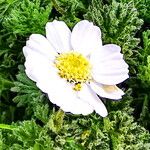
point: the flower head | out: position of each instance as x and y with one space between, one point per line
73 68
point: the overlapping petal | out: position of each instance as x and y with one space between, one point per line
37 67
61 94
41 45
107 91
90 97
109 66
59 36
85 37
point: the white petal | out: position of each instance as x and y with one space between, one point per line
86 94
61 94
58 35
85 37
37 67
111 92
40 44
108 65
78 107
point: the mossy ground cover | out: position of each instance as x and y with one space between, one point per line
28 121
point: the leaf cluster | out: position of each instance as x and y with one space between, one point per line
27 18
73 132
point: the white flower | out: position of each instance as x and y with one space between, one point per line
74 67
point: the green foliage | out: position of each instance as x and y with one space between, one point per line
29 17
5 84
143 7
7 5
56 121
144 67
70 10
116 132
141 93
146 70
30 97
27 135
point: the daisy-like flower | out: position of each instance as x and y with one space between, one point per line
73 68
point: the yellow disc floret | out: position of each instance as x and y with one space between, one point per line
74 67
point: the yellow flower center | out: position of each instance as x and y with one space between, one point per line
74 67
